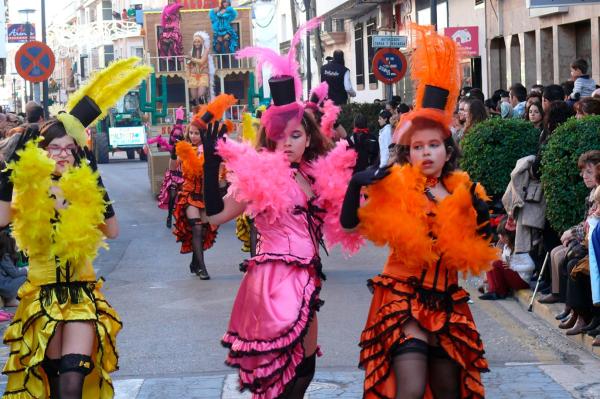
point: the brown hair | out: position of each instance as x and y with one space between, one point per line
589 157
401 153
540 110
319 144
588 106
186 132
510 235
50 130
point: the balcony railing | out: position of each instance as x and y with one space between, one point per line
224 64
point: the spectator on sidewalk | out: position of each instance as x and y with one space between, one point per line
392 107
587 106
575 235
513 271
552 93
34 112
458 130
385 137
518 98
506 110
365 144
11 277
476 93
476 113
532 98
535 114
584 86
536 88
337 77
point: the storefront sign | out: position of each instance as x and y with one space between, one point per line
389 65
467 37
389 41
127 136
17 33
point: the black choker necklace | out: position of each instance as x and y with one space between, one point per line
295 165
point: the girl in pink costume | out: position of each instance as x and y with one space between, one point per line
272 334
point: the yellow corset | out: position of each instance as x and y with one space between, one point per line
44 271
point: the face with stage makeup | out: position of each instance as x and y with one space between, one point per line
294 142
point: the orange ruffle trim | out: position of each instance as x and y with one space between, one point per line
394 303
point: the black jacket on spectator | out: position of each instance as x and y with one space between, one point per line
333 73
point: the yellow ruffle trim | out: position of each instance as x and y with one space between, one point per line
33 326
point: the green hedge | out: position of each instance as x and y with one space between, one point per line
370 110
491 149
564 190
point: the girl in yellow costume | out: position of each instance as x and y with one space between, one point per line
63 336
420 340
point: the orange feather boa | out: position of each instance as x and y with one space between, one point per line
396 214
192 163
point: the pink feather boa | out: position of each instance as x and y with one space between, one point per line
330 115
320 92
262 179
332 173
161 143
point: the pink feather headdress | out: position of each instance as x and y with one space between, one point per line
283 67
318 94
330 115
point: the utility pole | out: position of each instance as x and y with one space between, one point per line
308 63
45 84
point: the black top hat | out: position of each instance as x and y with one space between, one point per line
86 110
283 90
435 97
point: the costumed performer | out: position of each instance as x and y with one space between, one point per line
319 105
200 69
420 339
225 38
63 336
173 176
170 41
192 228
293 188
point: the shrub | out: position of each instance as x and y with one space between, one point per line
564 190
491 149
370 110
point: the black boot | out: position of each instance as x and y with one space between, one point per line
194 265
172 196
592 325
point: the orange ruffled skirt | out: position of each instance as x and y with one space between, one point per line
446 314
183 230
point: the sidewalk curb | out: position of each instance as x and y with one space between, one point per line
547 312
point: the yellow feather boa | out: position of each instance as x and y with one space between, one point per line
75 237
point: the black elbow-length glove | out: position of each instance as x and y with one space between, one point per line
483 213
349 214
212 163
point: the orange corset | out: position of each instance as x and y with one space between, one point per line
436 276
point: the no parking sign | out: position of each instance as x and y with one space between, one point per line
389 65
34 61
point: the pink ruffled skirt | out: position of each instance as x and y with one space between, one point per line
171 177
276 301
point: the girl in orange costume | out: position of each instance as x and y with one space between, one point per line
191 226
420 339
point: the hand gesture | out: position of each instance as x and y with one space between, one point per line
370 175
210 137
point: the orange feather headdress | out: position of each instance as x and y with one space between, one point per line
436 73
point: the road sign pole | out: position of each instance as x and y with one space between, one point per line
45 84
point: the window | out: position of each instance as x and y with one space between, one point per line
136 52
106 10
359 53
328 25
478 2
93 13
371 23
338 25
109 54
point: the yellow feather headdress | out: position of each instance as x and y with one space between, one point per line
93 100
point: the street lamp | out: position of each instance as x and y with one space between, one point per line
28 11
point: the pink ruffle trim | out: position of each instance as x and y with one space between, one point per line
163 195
263 179
269 380
332 174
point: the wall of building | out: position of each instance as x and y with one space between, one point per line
537 46
466 13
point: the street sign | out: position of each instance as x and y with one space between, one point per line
389 65
17 33
559 3
34 61
380 41
467 37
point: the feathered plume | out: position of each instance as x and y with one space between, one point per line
330 115
105 87
319 93
281 65
214 110
435 62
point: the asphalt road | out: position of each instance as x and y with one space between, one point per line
173 321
